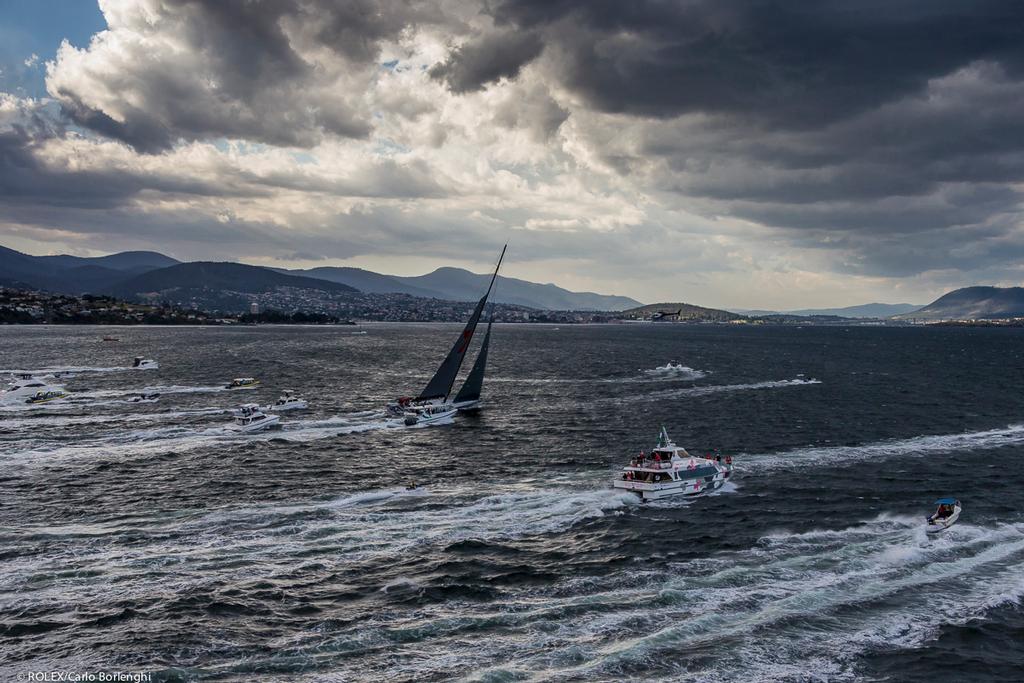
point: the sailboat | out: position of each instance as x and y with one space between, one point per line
439 388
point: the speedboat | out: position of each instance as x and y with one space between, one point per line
251 419
428 415
25 386
145 398
670 471
288 401
111 339
141 363
945 516
243 383
46 396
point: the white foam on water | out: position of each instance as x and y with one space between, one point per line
225 544
820 597
774 612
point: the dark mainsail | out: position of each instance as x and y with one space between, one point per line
474 383
441 383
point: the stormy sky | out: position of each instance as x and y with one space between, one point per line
746 154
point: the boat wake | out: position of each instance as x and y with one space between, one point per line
58 421
1012 435
816 601
683 392
66 369
180 438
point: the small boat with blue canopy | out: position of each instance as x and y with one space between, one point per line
669 470
945 516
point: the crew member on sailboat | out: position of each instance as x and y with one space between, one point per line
439 387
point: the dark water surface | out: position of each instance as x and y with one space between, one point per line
151 537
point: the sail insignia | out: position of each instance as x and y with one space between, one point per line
474 383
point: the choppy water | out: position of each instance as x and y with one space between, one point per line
151 537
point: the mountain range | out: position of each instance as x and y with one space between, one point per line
229 286
133 274
972 303
874 310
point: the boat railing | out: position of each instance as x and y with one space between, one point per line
639 484
652 464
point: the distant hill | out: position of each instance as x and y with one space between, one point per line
457 284
75 274
685 312
973 303
862 311
109 274
132 261
366 281
209 275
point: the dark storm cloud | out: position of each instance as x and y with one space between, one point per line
487 59
791 63
853 126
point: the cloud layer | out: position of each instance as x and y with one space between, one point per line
729 153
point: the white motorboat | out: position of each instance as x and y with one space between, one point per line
670 471
145 398
251 419
26 386
428 415
288 401
140 363
243 383
945 516
46 396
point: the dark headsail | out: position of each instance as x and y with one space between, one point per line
474 383
441 383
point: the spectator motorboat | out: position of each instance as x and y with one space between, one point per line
250 418
288 401
669 470
51 394
140 363
243 383
26 386
945 516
